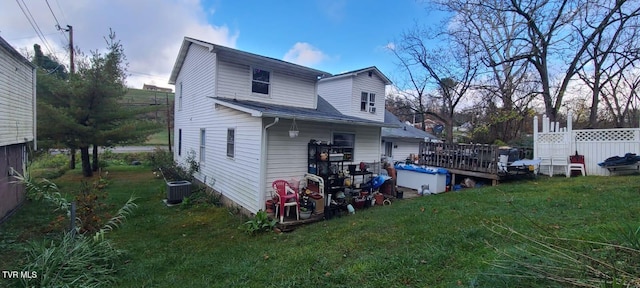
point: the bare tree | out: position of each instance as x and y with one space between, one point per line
411 89
507 88
544 33
609 55
449 71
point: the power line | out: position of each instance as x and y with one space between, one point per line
34 25
54 15
57 22
61 11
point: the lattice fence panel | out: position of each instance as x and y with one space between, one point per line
609 135
550 138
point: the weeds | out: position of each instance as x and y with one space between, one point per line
72 261
566 261
76 260
260 223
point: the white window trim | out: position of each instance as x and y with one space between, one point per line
227 143
368 103
180 98
203 145
251 82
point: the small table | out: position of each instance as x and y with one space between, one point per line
622 169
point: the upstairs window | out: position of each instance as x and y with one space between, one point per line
180 98
368 102
260 81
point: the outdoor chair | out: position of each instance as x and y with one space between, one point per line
287 198
572 166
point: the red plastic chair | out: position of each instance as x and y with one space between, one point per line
287 197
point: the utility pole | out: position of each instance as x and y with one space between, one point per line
72 70
72 67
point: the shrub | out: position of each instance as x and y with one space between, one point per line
160 158
51 161
260 223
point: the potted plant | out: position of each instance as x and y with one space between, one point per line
305 213
306 207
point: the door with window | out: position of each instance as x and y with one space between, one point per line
388 149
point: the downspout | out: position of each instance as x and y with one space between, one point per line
263 163
35 110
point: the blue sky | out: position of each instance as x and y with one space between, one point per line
330 35
347 35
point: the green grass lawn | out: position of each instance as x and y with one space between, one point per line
441 240
161 138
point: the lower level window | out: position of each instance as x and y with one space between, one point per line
231 142
203 141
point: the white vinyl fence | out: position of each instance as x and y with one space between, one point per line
553 145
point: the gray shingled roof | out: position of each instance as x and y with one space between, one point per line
403 130
325 112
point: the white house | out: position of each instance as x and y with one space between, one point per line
398 143
17 122
234 111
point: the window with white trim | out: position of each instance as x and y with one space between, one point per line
368 102
180 98
203 144
344 143
260 81
231 143
179 142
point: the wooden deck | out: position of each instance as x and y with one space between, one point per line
473 160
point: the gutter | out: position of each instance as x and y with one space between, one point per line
263 162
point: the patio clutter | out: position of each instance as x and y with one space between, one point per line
626 163
286 198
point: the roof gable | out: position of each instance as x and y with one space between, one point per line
238 56
372 69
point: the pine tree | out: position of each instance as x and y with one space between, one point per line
84 111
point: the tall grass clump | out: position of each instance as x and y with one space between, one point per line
73 260
568 262
80 256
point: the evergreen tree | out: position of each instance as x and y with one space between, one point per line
84 111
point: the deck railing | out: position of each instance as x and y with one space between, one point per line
468 157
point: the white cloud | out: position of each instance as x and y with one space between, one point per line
390 46
150 31
303 53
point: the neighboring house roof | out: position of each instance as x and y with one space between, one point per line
324 113
372 69
237 56
4 44
404 130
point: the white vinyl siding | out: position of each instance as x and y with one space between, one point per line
287 157
237 178
198 77
370 84
338 92
402 148
17 100
234 82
